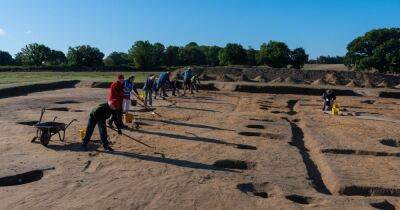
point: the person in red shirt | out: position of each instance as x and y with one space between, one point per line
115 98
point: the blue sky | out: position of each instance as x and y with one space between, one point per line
322 27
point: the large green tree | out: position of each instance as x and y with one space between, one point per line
34 54
232 54
5 58
298 58
251 57
275 54
56 58
158 55
377 49
116 59
141 54
191 54
171 56
211 54
85 55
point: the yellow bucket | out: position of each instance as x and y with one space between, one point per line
128 118
82 133
141 96
335 109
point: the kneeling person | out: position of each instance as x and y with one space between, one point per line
98 116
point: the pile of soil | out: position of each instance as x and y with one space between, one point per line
290 80
260 78
276 81
383 84
318 82
333 79
243 78
353 83
205 77
224 78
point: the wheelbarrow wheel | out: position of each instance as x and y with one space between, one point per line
45 138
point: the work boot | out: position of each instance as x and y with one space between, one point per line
108 148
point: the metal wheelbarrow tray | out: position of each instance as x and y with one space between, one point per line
45 130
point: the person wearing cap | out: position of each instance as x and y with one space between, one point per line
148 90
129 86
187 75
116 97
98 116
162 84
329 98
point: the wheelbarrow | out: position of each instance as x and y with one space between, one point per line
45 130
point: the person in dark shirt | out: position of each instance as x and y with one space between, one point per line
329 98
98 116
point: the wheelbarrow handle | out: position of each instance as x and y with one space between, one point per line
41 115
70 123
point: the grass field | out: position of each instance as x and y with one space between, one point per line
8 79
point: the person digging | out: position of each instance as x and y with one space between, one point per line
329 98
187 75
116 92
98 116
162 84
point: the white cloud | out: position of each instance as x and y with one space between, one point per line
28 32
2 32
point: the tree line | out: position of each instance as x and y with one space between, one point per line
377 49
146 55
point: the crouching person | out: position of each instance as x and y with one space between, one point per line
98 116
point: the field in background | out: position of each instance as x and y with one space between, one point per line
8 79
332 67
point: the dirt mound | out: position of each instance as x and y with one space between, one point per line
333 79
205 77
367 82
290 80
244 78
260 78
352 83
318 82
276 81
383 84
224 78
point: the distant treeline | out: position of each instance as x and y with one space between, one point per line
145 55
377 50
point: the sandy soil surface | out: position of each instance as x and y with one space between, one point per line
212 150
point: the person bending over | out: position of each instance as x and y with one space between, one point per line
98 116
329 98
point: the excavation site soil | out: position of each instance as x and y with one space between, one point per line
211 150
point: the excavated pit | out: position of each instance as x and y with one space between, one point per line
266 135
19 179
290 106
299 199
250 188
29 123
64 109
245 146
369 191
68 102
234 164
255 126
390 142
359 152
384 205
262 120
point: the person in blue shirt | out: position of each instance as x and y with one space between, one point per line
162 83
129 86
187 76
148 90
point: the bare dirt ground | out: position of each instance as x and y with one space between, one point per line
213 150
